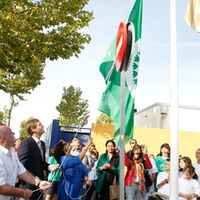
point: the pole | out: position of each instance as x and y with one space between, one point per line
174 106
122 133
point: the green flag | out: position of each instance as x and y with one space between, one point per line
110 101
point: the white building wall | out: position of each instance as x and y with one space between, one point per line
158 116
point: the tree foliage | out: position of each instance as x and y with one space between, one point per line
33 30
73 109
3 116
18 84
104 119
23 132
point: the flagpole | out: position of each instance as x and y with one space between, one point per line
174 106
122 132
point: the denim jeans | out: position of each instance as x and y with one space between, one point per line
133 193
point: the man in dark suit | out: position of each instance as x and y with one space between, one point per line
32 155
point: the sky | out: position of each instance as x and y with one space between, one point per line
154 73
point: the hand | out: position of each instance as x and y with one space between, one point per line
44 185
109 166
28 194
144 149
104 166
89 142
88 183
168 178
53 167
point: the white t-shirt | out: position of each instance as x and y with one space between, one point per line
188 187
197 170
10 168
164 189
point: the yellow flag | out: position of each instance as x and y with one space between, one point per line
192 17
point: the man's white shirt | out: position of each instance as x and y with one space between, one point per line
10 168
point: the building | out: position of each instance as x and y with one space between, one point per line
157 115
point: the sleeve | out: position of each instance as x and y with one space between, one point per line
68 161
84 171
196 188
24 152
20 168
127 161
148 164
154 168
2 173
100 163
160 178
52 161
157 163
85 161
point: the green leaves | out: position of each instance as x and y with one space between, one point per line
33 31
104 119
73 109
23 133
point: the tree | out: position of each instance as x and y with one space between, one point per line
18 84
3 116
33 31
104 119
73 109
23 132
2 120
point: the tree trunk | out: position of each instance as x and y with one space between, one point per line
12 102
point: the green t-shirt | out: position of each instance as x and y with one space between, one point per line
160 163
55 175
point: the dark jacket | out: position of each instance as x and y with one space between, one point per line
30 156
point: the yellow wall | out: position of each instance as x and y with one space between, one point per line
153 138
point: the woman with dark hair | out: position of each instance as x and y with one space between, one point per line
17 144
107 168
54 176
161 159
134 179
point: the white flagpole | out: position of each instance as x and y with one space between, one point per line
174 106
122 132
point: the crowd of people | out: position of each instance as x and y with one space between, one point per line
78 172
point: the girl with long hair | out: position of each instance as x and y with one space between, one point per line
54 176
188 186
161 160
184 162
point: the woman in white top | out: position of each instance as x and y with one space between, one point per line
188 187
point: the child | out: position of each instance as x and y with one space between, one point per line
188 186
184 162
56 152
163 179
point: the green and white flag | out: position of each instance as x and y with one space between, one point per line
110 101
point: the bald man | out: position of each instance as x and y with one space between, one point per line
11 168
